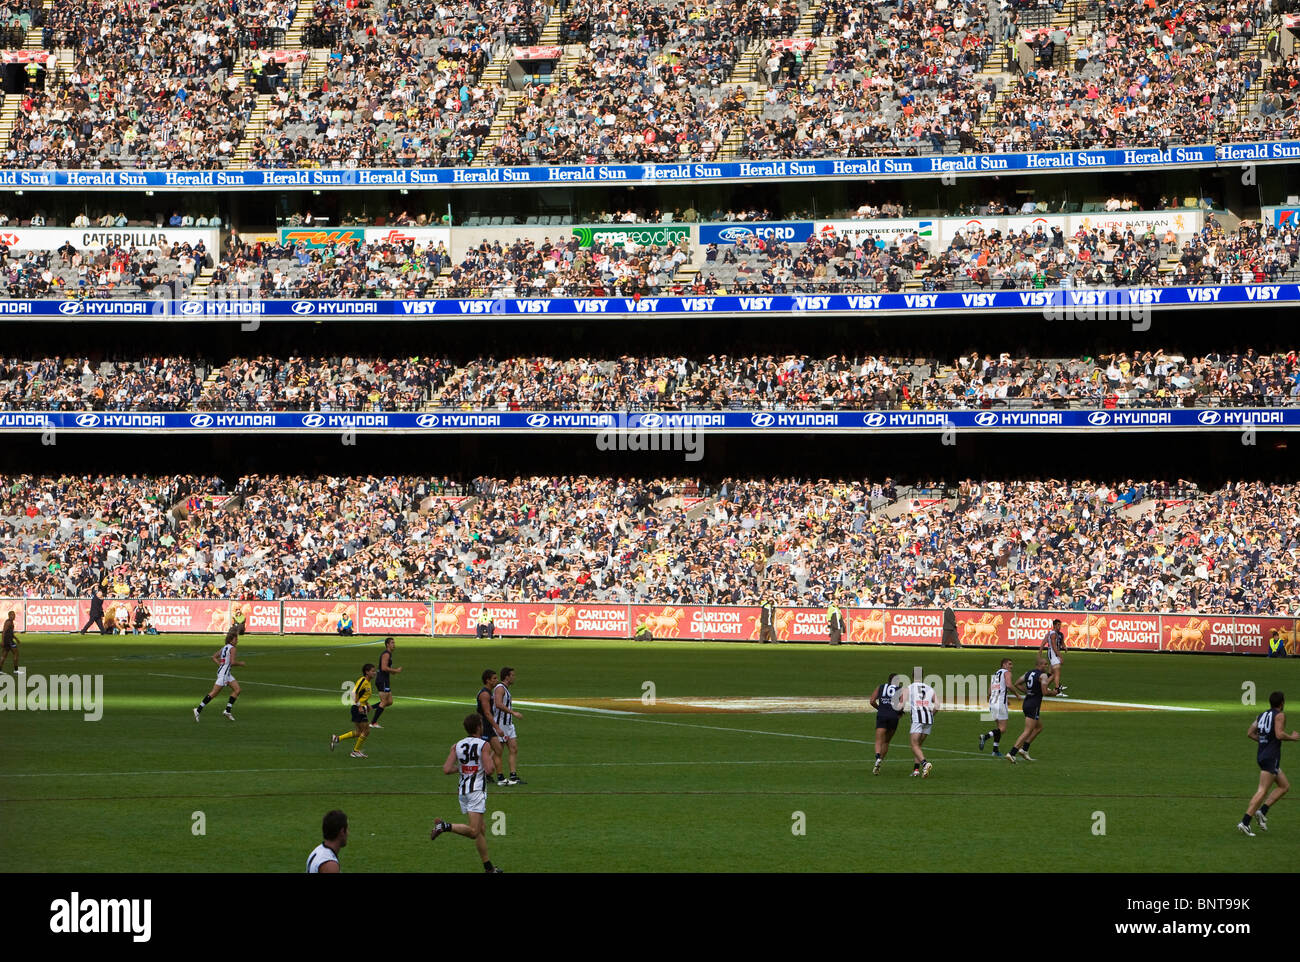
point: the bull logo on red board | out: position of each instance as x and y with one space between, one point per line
868 629
982 630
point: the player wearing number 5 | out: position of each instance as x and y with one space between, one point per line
471 759
361 691
920 700
1269 729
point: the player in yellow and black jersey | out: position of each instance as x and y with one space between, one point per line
362 689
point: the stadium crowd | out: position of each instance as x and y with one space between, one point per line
409 269
1083 545
715 382
107 271
174 85
900 77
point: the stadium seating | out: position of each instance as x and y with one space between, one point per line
344 383
1088 545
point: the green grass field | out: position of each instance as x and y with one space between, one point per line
663 792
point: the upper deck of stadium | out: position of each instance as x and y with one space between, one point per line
278 84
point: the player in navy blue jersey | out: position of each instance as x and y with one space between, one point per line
383 683
1036 685
1269 730
885 700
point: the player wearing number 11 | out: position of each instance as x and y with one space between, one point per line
471 758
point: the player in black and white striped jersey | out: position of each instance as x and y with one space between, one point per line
225 660
324 858
505 717
471 759
920 700
1000 685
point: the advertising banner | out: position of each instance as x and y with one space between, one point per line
519 620
67 614
904 626
1286 217
793 232
1133 158
89 238
1250 636
883 228
42 57
801 624
316 617
322 236
593 621
542 308
1094 631
794 43
721 623
538 53
420 236
282 56
1138 221
559 422
640 234
368 617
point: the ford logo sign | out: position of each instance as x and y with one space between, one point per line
313 420
191 307
87 420
1098 418
538 420
986 419
303 307
763 420
733 234
71 307
201 421
650 420
874 420
427 421
1208 417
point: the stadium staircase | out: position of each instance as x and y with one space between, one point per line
9 116
995 66
199 291
495 75
747 73
312 73
303 16
1256 47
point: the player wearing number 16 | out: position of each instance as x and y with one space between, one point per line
472 760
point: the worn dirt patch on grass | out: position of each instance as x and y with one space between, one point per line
805 704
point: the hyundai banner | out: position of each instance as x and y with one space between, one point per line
586 422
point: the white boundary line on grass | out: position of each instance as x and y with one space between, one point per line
332 769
